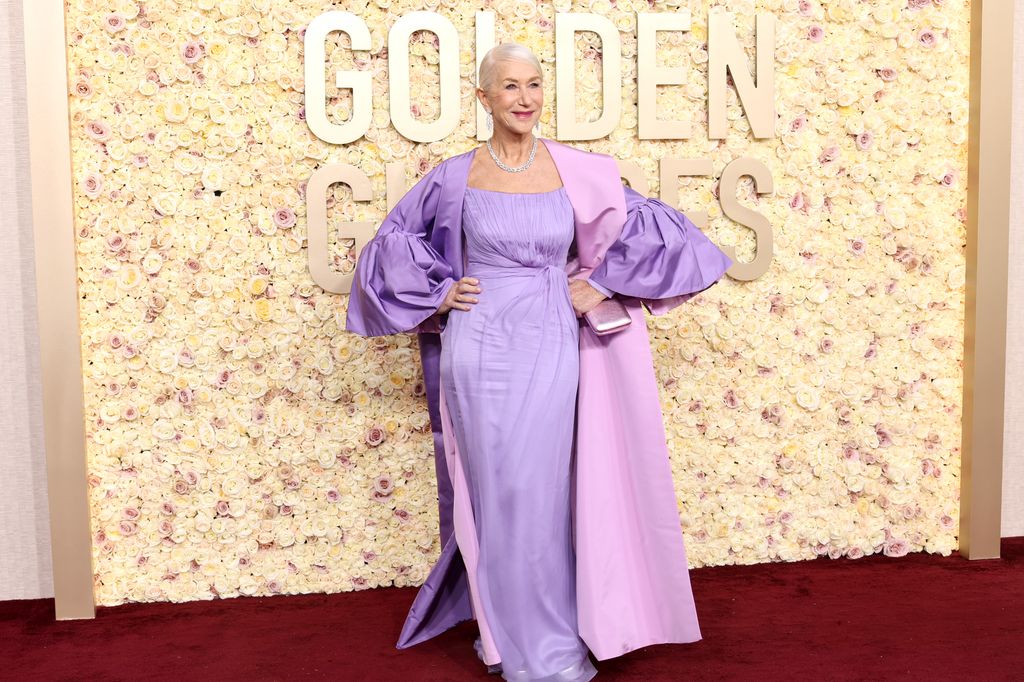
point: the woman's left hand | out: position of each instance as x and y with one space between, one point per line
584 297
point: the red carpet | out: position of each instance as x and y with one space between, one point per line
917 617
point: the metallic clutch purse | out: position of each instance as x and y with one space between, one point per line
607 317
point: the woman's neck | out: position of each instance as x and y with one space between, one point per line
512 148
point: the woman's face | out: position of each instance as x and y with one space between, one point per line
516 97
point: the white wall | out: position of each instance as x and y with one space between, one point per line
1013 431
25 569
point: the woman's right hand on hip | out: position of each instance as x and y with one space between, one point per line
459 295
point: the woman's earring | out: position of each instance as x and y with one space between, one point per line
536 128
490 121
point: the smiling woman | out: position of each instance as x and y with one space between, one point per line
546 430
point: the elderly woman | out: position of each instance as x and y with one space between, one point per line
559 524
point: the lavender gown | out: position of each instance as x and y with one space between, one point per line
516 244
509 372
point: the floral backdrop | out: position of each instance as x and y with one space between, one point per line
240 442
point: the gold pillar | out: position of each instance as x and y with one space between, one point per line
988 231
57 294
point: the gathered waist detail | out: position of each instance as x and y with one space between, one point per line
517 270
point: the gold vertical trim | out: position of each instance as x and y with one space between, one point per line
57 292
988 242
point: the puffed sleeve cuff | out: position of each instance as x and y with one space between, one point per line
660 254
400 281
603 289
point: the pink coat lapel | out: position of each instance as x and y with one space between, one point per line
633 585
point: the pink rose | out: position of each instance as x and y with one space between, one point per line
191 52
896 548
864 140
730 399
91 185
114 22
886 73
927 38
772 414
815 34
284 217
375 436
98 130
383 485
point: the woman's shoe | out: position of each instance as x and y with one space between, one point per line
478 647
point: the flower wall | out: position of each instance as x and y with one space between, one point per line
240 442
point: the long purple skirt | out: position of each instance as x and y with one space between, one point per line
509 372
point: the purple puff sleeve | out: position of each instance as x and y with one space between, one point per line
400 279
660 256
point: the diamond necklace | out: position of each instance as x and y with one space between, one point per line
518 169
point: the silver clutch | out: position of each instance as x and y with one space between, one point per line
607 317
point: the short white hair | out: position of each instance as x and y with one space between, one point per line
502 53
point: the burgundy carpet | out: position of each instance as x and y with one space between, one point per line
877 618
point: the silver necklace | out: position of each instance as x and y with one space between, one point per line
518 169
